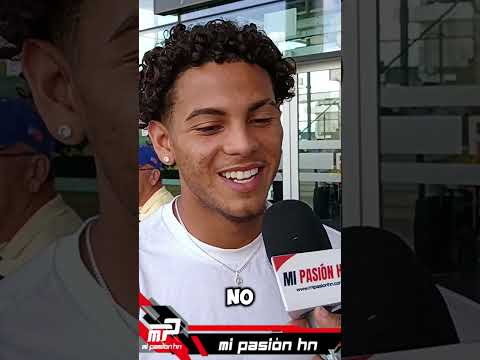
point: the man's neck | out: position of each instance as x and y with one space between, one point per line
215 229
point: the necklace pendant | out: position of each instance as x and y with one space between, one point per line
238 279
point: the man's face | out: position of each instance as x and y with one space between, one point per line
148 178
106 70
14 165
226 136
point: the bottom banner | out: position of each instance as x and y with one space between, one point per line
162 330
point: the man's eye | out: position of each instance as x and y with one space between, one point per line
262 121
207 130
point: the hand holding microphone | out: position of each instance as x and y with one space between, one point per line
321 318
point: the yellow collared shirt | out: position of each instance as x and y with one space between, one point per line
51 222
159 198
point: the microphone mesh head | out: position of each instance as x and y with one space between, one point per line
290 227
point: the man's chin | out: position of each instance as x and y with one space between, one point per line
243 212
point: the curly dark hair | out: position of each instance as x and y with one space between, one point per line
217 41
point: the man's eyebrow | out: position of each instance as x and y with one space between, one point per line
257 105
218 112
206 111
127 25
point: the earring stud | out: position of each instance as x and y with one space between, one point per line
64 131
166 160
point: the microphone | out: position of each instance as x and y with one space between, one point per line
307 269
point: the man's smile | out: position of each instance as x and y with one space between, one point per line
243 178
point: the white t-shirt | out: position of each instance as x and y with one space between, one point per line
53 309
174 271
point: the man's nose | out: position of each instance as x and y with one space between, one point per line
241 140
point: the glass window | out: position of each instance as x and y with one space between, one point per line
442 39
148 19
319 141
298 28
319 105
430 135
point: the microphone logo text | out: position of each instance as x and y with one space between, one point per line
314 274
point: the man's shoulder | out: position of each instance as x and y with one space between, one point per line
70 213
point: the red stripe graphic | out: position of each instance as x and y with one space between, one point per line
278 261
143 301
199 346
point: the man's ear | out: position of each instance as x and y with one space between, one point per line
37 173
160 138
50 79
155 177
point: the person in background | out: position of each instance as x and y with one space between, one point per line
152 193
32 214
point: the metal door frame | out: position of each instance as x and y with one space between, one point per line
360 130
290 162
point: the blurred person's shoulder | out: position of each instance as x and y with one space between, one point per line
55 303
50 223
29 280
35 278
32 295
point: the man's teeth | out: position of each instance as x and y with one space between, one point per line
238 176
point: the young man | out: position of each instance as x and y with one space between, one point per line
32 214
151 192
79 299
211 96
